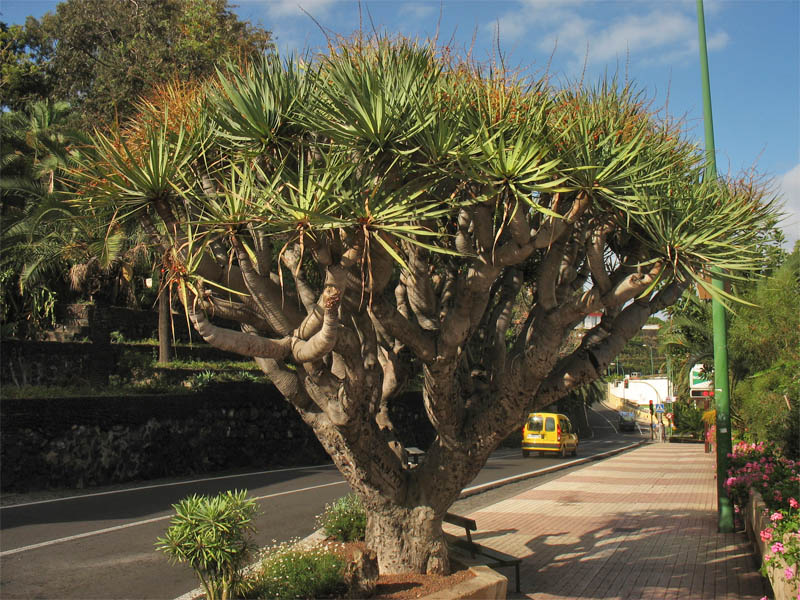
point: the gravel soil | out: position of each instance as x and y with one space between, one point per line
402 587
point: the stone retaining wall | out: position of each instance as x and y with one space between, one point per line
79 442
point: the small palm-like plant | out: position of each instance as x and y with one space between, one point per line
211 534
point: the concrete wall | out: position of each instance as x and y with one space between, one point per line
641 391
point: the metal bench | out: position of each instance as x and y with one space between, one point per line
495 558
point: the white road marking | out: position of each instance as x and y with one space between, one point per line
145 522
162 485
81 535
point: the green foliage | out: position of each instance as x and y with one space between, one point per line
763 348
134 46
766 357
291 572
24 53
43 237
767 406
33 235
211 534
422 129
688 419
345 519
201 380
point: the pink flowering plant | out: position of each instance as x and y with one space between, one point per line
758 467
783 540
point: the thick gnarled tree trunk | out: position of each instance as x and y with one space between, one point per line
409 539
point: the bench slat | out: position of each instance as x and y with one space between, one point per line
464 522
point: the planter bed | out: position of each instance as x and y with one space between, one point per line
756 520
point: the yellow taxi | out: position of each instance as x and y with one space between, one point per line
549 432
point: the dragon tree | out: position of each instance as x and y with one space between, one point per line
387 213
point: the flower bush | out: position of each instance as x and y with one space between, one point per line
783 538
289 571
758 467
345 519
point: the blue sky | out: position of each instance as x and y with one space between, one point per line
754 57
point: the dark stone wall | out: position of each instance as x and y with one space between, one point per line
131 323
79 442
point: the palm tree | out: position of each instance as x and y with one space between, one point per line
44 236
34 143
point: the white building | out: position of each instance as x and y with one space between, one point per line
642 391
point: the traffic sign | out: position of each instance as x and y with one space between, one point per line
659 408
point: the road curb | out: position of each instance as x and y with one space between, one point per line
471 491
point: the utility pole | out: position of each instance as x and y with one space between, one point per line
721 391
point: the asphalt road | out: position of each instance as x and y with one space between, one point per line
101 545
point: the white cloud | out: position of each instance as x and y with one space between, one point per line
611 30
640 33
570 36
789 186
417 10
294 8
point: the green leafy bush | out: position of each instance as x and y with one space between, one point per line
288 571
688 419
203 379
767 405
344 520
211 534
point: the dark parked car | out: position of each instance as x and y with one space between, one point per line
627 421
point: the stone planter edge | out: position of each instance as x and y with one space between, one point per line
755 522
487 584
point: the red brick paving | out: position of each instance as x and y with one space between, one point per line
638 525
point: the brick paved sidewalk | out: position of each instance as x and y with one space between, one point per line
638 525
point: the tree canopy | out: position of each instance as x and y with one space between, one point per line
24 55
102 55
81 67
369 218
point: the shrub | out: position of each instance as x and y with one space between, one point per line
345 520
287 571
688 419
212 535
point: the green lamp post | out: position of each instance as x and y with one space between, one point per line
721 391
